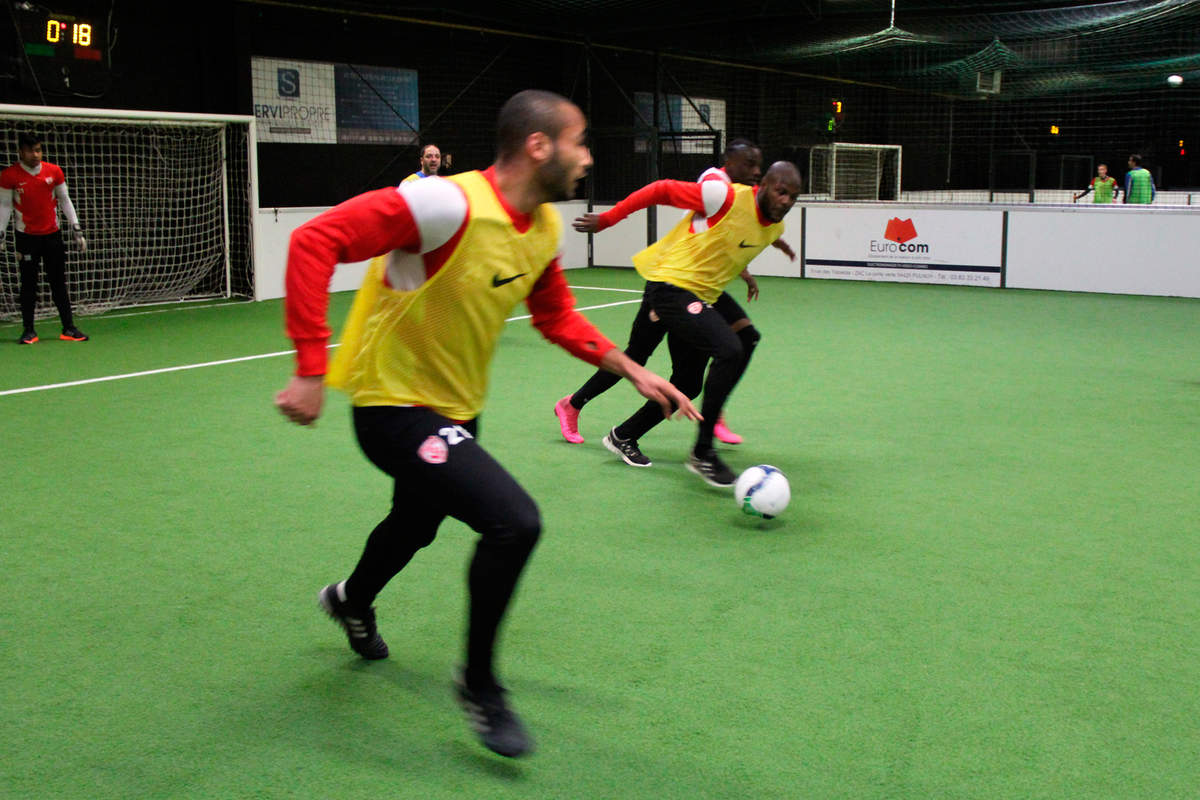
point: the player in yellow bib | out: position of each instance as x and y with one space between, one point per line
452 257
686 271
742 164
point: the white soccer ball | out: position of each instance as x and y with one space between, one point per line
762 491
1175 80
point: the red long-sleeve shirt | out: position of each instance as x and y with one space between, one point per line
382 221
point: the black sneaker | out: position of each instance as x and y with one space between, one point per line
73 335
712 469
627 449
498 726
28 337
359 624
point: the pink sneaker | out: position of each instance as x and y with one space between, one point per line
722 432
568 420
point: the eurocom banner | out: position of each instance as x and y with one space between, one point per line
905 245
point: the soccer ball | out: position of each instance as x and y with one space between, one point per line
762 491
1175 80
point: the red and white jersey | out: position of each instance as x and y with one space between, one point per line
33 197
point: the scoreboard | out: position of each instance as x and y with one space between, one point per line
63 51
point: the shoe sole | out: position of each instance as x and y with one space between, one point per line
562 426
617 452
710 481
72 339
728 438
31 341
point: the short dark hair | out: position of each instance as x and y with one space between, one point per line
525 113
427 145
1136 158
738 147
27 139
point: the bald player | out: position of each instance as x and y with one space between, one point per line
686 271
452 257
742 164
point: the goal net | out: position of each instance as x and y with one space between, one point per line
843 171
165 201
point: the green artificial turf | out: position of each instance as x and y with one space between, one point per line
987 584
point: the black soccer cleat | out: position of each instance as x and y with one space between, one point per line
73 334
359 624
28 337
712 469
498 726
627 449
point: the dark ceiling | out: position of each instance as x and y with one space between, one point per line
1041 46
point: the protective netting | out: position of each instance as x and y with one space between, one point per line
1067 88
165 209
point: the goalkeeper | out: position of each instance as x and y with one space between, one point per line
35 190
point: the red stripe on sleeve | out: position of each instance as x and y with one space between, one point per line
363 227
553 308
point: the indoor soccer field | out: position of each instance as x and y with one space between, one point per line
987 583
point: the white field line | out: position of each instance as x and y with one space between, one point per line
103 317
182 367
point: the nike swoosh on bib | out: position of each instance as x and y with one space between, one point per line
498 281
743 244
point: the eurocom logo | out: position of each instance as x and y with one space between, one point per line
897 237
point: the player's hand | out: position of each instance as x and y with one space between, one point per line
662 391
79 240
301 400
751 286
785 248
588 223
649 385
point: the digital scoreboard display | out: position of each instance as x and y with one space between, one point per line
61 36
63 49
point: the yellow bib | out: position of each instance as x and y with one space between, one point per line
706 261
432 346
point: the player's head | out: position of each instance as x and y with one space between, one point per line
431 159
548 133
1102 170
743 161
779 190
1135 161
29 149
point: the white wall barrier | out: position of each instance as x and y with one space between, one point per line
1116 249
273 230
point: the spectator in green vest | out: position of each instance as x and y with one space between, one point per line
1139 183
1104 186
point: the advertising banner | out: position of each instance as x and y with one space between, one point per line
307 102
904 244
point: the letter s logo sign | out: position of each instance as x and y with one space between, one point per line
289 82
